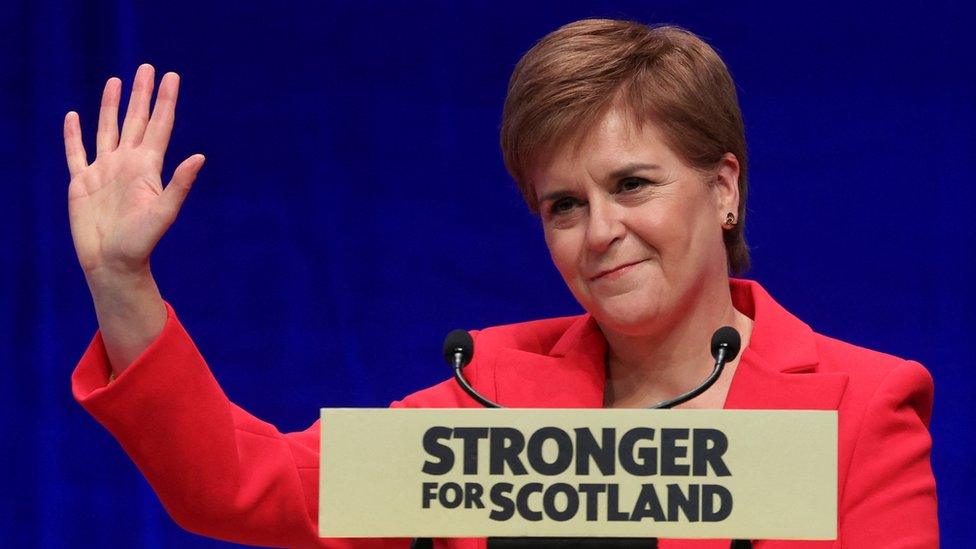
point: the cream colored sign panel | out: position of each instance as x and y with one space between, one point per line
744 474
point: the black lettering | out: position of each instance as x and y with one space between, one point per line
648 505
522 501
470 436
603 454
450 495
671 451
689 504
505 445
549 502
564 453
613 504
472 495
709 446
505 508
709 512
429 493
436 449
645 464
592 492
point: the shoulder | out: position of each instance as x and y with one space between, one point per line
841 356
790 346
877 379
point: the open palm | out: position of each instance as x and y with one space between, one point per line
117 205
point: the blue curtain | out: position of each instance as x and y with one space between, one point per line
354 208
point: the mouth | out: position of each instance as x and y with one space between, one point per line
613 272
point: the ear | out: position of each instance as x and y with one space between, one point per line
725 186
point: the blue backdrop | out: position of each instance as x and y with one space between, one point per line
354 207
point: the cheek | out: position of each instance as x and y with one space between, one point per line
676 233
564 251
656 235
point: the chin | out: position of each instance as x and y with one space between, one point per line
630 315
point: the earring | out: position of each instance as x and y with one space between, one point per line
729 221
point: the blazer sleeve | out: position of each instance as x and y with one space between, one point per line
889 498
217 470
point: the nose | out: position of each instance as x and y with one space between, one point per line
605 224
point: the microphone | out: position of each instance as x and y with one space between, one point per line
726 343
458 352
458 348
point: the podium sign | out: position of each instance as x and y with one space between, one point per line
742 474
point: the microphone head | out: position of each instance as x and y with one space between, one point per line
727 337
458 341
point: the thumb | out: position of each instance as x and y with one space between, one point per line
179 186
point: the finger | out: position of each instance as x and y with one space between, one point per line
137 113
164 112
74 149
175 192
107 137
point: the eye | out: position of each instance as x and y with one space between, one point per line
563 205
631 184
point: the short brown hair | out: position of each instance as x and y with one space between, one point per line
568 81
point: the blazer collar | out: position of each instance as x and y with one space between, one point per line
778 369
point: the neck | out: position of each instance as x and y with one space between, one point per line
674 357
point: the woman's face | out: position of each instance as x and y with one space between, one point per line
635 232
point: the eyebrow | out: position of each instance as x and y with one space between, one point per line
631 168
555 195
625 171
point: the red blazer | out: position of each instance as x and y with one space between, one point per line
223 473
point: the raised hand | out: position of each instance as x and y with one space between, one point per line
119 209
117 205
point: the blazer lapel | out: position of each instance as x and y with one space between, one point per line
758 385
779 367
572 375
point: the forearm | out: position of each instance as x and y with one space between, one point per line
131 314
218 470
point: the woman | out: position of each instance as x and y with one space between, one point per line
629 142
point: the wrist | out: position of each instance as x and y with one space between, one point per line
123 295
131 314
103 280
